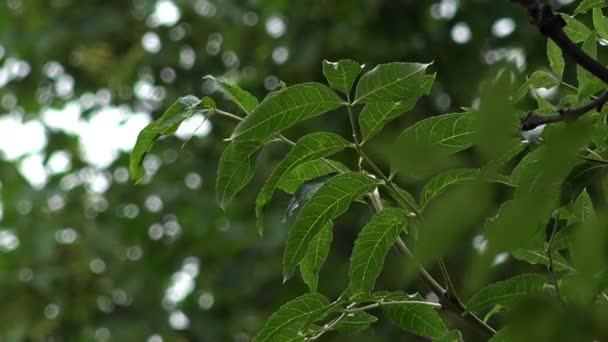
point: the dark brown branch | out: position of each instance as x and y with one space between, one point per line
551 25
533 120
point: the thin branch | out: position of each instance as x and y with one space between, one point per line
549 252
533 120
228 115
447 301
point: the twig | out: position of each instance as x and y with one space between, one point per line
447 301
533 120
549 252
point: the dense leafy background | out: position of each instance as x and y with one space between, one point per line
86 254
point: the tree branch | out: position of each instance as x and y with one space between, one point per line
551 25
533 120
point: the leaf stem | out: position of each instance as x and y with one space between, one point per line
447 301
379 304
327 327
549 252
279 136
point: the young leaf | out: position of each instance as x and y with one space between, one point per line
167 124
586 5
556 58
449 133
425 148
286 108
309 147
236 168
330 201
371 246
584 77
341 75
393 82
375 115
582 210
307 171
355 322
417 318
315 256
291 318
240 97
575 30
541 79
600 22
507 292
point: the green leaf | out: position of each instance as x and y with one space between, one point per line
167 124
341 75
417 318
453 336
355 322
538 178
576 30
584 77
393 82
236 168
286 108
495 165
439 183
375 115
330 201
309 147
536 256
531 159
504 335
449 132
600 22
240 97
541 79
371 246
315 256
307 171
586 5
556 58
582 210
507 292
425 147
305 192
291 318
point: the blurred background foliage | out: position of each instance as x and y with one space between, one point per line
87 255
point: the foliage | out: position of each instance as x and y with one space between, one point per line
421 150
381 192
